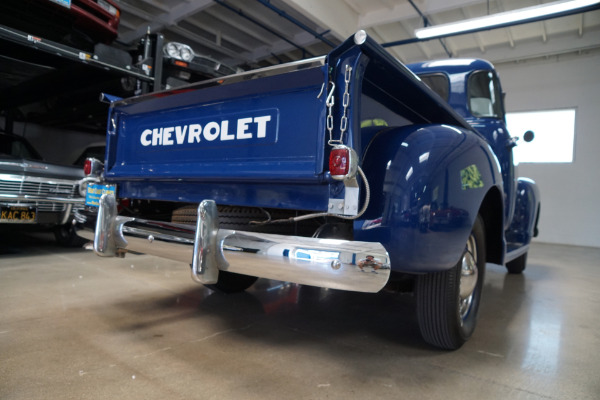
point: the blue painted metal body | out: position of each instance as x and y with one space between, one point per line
262 142
254 143
421 211
521 195
493 128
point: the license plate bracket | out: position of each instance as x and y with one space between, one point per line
95 191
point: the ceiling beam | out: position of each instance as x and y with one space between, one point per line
130 9
508 30
476 36
404 11
335 15
381 37
219 35
164 20
241 57
532 49
157 5
223 16
303 39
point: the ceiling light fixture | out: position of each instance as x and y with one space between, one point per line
504 19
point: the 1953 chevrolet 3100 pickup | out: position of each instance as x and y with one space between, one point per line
345 171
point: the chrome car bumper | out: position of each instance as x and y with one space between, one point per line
329 263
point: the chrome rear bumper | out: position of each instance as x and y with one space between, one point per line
330 263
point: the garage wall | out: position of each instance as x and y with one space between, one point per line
570 193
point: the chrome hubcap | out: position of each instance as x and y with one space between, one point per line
468 278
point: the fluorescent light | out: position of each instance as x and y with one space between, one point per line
528 14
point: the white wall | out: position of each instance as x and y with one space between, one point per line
570 212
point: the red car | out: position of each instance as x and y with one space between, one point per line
99 18
76 22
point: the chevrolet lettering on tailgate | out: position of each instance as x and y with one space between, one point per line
230 129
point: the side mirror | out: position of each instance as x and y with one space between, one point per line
528 136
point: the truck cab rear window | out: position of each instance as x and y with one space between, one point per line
439 83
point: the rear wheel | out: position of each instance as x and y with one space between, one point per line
448 301
230 282
517 265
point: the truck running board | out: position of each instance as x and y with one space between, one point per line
329 263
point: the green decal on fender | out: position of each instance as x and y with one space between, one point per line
471 177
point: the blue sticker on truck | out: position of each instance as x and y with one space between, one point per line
95 191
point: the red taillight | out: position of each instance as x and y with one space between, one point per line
87 167
339 161
343 163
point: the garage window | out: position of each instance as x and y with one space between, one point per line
554 135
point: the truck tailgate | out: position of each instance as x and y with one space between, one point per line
265 129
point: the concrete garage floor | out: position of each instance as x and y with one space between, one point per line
76 326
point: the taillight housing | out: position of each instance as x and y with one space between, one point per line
87 167
92 166
343 163
92 171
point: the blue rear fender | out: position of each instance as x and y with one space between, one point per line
428 183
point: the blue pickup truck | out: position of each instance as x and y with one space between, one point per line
350 171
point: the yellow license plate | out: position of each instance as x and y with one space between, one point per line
18 215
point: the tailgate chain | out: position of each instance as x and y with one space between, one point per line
345 103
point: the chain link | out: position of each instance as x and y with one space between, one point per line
330 102
345 104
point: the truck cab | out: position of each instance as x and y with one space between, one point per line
472 87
